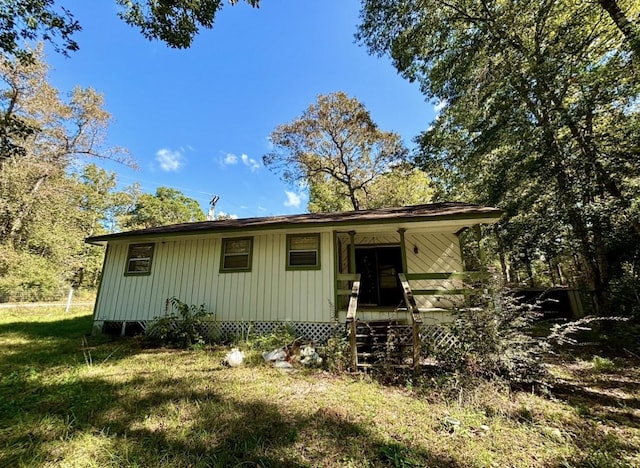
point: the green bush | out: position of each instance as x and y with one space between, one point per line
493 341
336 354
602 364
188 328
281 336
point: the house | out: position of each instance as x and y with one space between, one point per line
311 271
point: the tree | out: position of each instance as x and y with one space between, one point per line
35 20
540 118
176 22
44 210
403 185
626 26
337 150
167 206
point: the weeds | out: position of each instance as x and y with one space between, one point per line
602 364
171 408
336 354
186 329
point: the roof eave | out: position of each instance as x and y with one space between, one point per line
474 218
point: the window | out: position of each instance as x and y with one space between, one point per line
236 254
139 259
303 252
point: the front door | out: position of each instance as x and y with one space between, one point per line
379 267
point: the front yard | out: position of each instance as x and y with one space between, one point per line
70 401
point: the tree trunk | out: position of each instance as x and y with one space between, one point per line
503 259
16 224
623 23
527 265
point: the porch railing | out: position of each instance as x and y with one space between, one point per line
351 317
416 318
467 276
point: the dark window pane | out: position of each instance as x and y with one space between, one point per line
139 266
309 258
233 262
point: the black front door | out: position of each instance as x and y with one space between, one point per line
379 267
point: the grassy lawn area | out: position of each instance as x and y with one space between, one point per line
68 402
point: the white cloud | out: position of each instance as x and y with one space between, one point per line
170 161
230 159
223 215
250 162
293 199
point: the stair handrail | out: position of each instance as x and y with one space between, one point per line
351 320
416 318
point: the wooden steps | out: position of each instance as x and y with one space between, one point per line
383 343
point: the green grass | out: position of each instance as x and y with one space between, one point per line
69 401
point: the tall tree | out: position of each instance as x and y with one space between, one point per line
43 219
541 117
402 185
167 206
337 150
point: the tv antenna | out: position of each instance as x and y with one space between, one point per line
211 216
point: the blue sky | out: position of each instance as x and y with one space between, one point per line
199 119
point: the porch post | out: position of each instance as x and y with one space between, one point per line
403 250
352 251
336 270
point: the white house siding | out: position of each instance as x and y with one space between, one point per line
377 238
437 253
189 269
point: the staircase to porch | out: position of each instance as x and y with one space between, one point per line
383 343
377 343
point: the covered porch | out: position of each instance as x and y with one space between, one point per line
391 286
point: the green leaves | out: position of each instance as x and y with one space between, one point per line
175 22
336 150
49 199
535 93
167 206
35 20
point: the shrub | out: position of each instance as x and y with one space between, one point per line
601 364
496 340
281 336
187 328
492 341
336 354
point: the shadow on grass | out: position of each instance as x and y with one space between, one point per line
151 429
64 328
49 418
602 400
39 345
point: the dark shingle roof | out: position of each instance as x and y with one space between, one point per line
435 211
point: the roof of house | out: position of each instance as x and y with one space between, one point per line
433 211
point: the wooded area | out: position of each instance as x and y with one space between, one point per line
538 115
52 192
540 118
